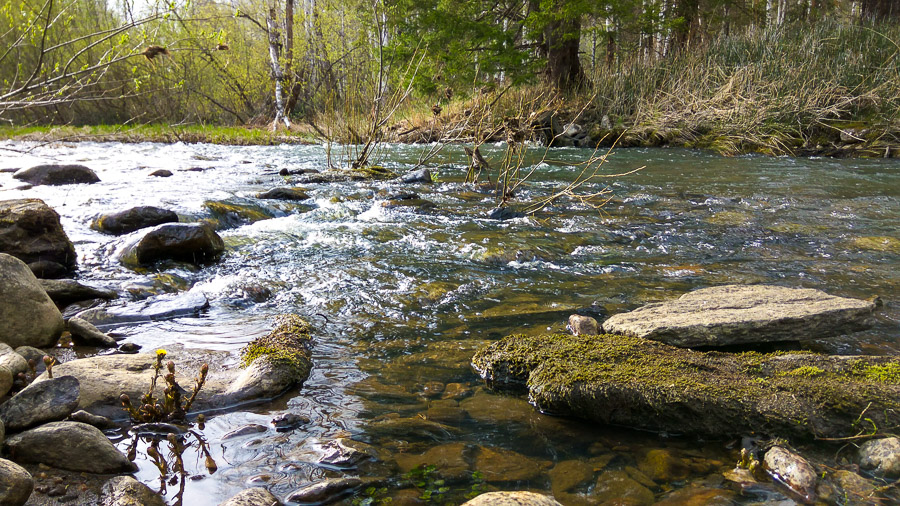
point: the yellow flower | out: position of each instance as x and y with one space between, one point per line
160 353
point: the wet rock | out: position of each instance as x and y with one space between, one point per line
236 212
699 496
634 382
31 353
46 401
615 486
344 452
284 193
296 172
30 231
86 334
583 325
101 422
52 174
854 487
72 446
413 427
881 456
568 474
253 497
740 314
246 430
29 316
289 421
127 491
66 291
163 307
136 218
793 471
130 348
499 465
878 243
416 176
6 381
12 360
47 269
446 414
174 241
418 205
512 499
16 484
161 173
456 391
451 461
326 491
505 213
661 466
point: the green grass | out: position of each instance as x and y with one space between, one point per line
236 135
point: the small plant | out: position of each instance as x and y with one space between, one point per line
372 496
479 486
48 363
425 478
172 407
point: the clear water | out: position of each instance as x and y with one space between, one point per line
400 300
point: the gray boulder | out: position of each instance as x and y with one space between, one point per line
127 491
53 174
881 456
284 193
30 231
12 360
85 333
29 316
174 241
741 314
512 499
136 218
16 484
72 446
417 176
46 401
6 381
253 497
326 491
66 291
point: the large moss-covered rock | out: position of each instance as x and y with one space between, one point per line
174 241
27 314
30 231
55 174
645 384
740 314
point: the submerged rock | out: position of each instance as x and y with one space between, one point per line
645 384
345 452
162 307
16 484
29 316
284 193
500 465
174 241
46 401
740 314
370 173
451 461
236 212
253 497
161 173
127 491
30 231
793 471
52 174
136 218
325 491
512 499
66 291
881 456
72 446
615 486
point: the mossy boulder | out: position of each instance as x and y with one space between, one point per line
236 212
287 346
624 380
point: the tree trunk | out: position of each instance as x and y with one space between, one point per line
277 74
562 37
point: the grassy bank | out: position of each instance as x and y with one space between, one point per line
235 135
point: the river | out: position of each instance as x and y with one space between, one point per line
399 299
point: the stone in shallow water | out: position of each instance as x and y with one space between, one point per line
52 174
512 499
187 242
615 486
136 218
72 446
881 456
451 461
67 291
742 314
253 497
127 491
45 401
499 465
326 491
162 307
85 333
793 471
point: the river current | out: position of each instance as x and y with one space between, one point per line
400 298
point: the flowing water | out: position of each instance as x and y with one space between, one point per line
400 299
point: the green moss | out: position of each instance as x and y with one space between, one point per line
288 343
233 210
882 373
374 172
878 243
808 371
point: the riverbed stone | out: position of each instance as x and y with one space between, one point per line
29 316
257 496
32 353
568 474
793 471
284 193
10 359
31 231
85 333
629 381
46 401
101 422
6 381
326 490
162 307
451 461
416 176
16 484
501 465
616 487
72 446
583 325
742 314
881 456
699 496
236 212
265 373
189 242
517 498
135 218
662 466
345 452
56 174
161 173
127 491
66 291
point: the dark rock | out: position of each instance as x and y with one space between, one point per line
246 430
583 325
284 193
451 461
618 485
101 422
66 291
30 231
174 241
161 173
236 212
661 466
48 269
793 471
634 382
85 333
740 314
372 173
296 172
289 421
32 353
419 205
345 452
6 382
417 176
127 491
162 307
568 474
500 465
130 348
505 213
512 499
29 316
881 456
253 497
46 401
72 446
855 488
16 484
328 490
57 175
136 218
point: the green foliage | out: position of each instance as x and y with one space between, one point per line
425 478
372 496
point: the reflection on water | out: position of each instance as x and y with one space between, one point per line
401 299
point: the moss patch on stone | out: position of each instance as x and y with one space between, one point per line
287 344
